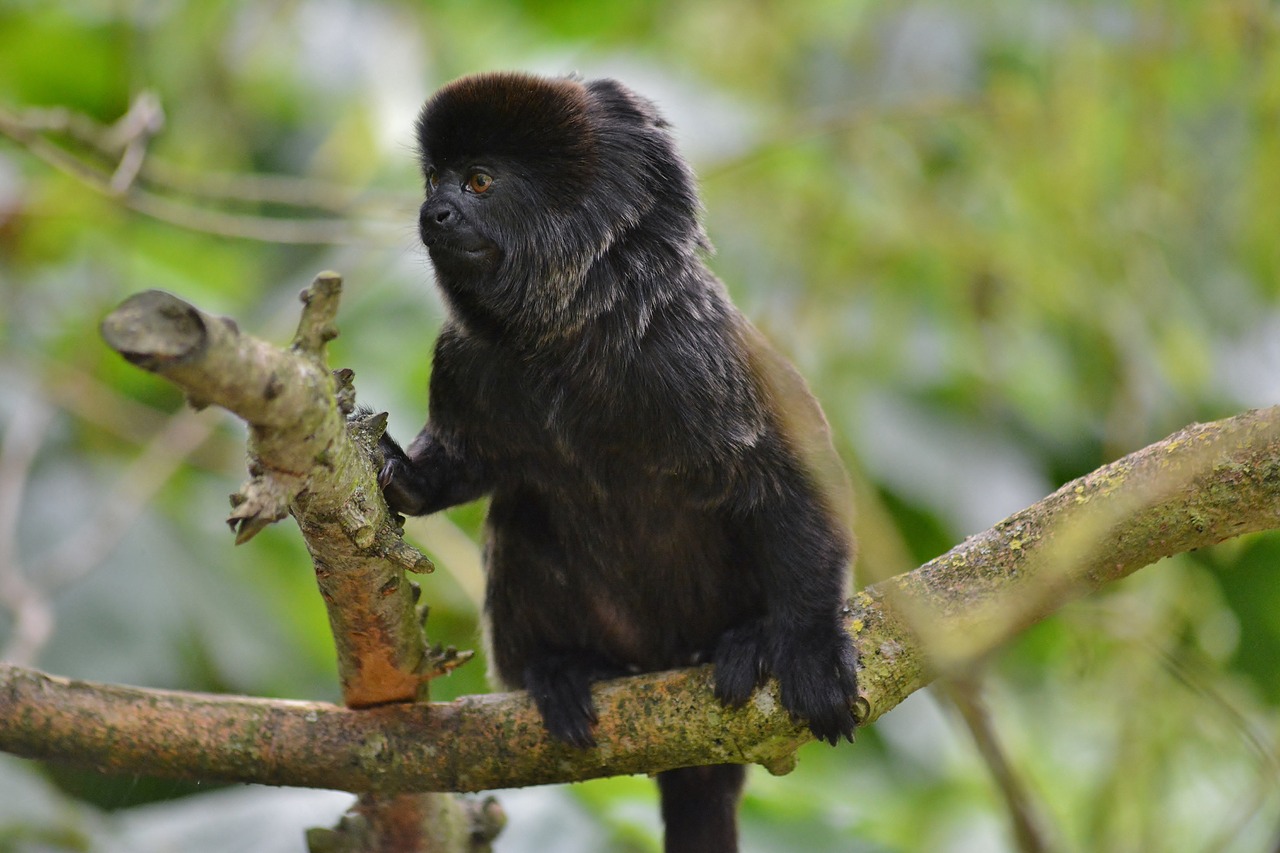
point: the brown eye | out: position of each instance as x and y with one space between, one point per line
433 179
480 182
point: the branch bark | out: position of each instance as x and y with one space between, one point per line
302 461
308 460
1200 486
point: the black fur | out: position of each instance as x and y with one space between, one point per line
663 488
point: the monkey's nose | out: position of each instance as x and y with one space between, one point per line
436 217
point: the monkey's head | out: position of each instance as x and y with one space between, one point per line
543 194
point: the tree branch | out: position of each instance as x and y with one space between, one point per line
307 459
1200 486
302 460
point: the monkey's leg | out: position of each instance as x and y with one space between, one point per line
800 640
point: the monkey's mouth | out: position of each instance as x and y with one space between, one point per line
471 252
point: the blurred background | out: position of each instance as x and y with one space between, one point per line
1007 242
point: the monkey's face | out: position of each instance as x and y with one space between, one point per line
454 221
506 161
488 225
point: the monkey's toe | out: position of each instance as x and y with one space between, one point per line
571 728
402 488
388 473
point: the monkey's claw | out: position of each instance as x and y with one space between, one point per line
388 473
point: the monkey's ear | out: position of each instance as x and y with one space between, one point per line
621 100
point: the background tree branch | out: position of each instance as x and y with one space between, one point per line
114 160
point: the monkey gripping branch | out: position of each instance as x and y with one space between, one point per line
1202 485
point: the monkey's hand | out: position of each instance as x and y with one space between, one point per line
402 485
816 669
818 672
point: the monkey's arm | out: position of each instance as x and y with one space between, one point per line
794 528
429 477
800 559
441 467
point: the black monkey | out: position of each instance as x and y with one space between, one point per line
663 486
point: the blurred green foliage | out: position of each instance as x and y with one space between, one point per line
1006 241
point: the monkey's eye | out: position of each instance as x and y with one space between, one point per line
480 182
433 179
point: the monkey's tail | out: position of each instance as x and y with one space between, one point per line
700 808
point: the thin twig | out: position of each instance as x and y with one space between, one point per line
32 615
1252 734
79 553
1025 813
30 132
133 133
97 537
284 190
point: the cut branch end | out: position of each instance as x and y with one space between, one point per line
154 329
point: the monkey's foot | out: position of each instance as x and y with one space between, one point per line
816 671
741 664
561 688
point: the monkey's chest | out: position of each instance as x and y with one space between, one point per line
605 533
621 450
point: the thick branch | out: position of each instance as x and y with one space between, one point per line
1202 485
